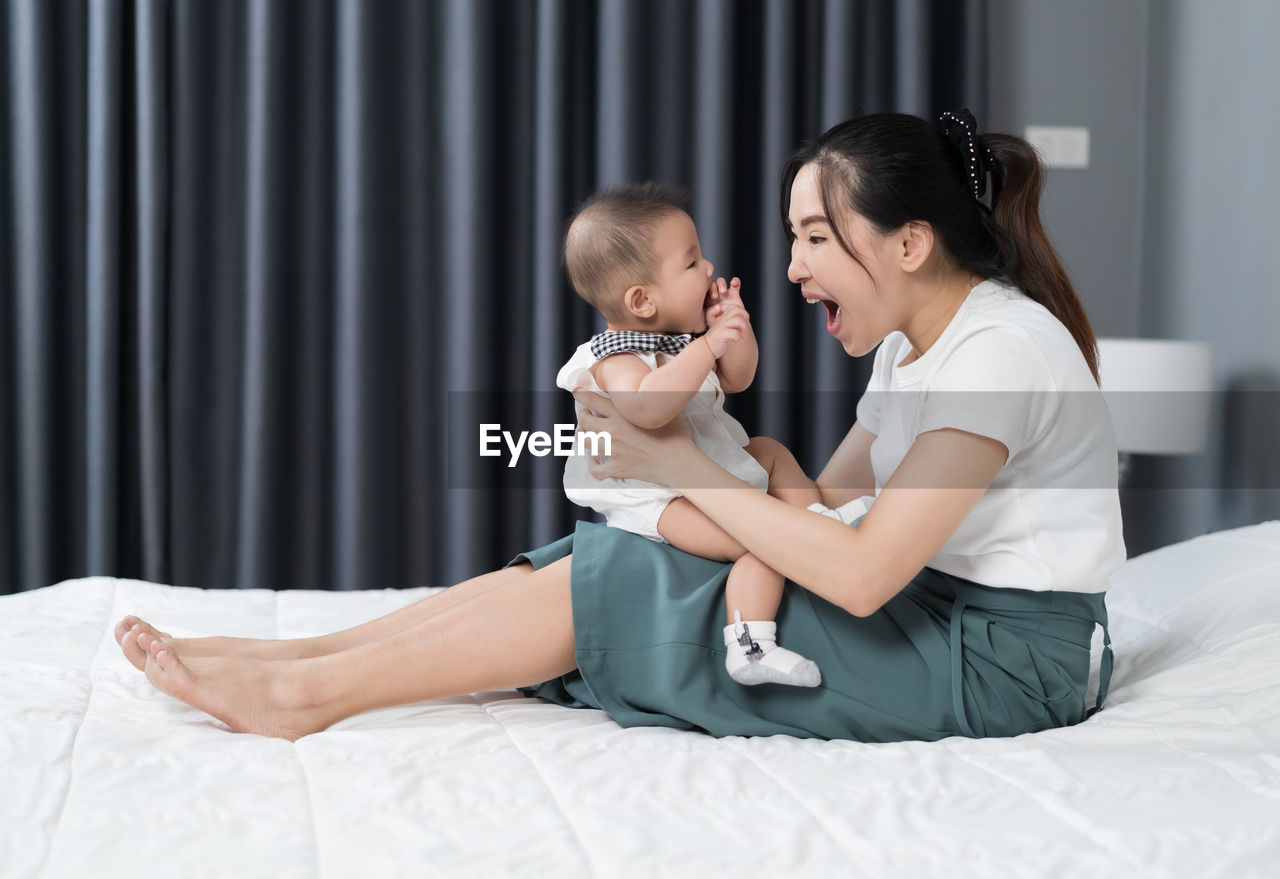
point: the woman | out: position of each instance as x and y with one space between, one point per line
963 603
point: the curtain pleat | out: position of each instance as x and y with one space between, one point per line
350 411
9 537
44 294
266 265
259 403
556 126
103 254
149 280
30 339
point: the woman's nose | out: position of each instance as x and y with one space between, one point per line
796 270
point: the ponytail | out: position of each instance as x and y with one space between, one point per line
1030 260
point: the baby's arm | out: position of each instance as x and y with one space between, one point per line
652 397
737 366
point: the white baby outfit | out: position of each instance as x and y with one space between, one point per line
631 504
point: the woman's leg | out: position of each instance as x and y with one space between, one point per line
518 632
135 635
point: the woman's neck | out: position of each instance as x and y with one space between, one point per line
931 320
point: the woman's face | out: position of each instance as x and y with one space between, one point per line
859 313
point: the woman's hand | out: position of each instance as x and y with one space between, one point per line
660 456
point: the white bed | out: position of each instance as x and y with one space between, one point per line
100 775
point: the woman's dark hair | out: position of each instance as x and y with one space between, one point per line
894 169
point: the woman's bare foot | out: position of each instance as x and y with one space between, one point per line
128 631
135 636
127 623
265 698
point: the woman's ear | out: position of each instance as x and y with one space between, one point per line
637 302
915 245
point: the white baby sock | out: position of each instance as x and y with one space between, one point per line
754 656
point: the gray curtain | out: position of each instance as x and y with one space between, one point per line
263 265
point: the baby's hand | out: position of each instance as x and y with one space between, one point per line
719 295
731 325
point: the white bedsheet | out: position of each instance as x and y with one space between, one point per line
100 775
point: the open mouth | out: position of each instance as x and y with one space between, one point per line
833 311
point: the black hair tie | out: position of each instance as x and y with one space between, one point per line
962 130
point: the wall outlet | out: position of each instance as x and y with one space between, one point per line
1060 146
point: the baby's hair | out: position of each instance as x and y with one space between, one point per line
608 245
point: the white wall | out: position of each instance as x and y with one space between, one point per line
1212 256
1172 231
1081 63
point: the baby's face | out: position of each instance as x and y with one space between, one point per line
683 277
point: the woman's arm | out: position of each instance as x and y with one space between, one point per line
848 475
859 569
938 483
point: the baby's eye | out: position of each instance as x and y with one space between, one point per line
694 264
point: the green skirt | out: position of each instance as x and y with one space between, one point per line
944 657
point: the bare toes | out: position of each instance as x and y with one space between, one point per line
122 629
167 660
167 673
133 651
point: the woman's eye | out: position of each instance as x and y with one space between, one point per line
816 239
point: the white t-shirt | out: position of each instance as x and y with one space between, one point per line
1007 369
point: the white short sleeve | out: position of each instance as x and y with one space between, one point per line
998 386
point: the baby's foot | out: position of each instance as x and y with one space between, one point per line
250 696
754 657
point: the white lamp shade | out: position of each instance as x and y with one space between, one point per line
1158 391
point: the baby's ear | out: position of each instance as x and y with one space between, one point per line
637 302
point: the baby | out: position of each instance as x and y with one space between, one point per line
633 253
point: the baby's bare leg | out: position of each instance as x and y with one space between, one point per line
752 594
516 633
753 587
135 636
689 529
787 481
